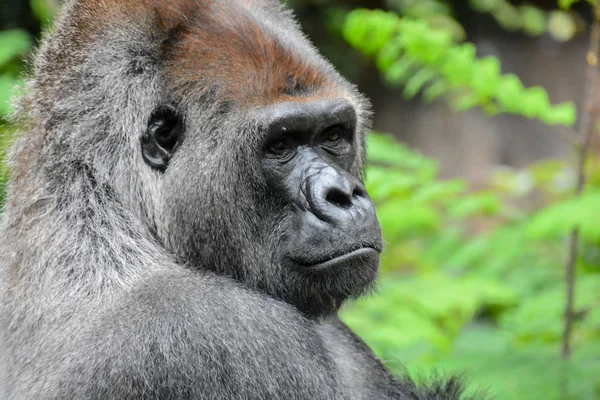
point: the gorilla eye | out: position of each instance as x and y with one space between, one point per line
163 135
334 134
336 139
333 137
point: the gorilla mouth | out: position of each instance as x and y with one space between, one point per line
337 258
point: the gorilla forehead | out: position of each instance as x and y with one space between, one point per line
253 62
251 50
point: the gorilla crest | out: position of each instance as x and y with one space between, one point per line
186 213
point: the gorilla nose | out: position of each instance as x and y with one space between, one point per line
337 198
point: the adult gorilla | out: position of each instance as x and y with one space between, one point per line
186 213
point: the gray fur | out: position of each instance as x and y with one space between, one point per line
119 282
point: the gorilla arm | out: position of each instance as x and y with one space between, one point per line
367 377
182 335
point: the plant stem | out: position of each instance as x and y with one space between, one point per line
586 132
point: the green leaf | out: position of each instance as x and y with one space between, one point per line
510 93
43 10
485 6
566 4
384 184
358 29
458 67
440 191
400 218
508 17
13 43
485 204
7 85
466 101
560 219
389 54
399 70
470 253
426 8
534 20
486 76
435 90
448 24
535 102
561 114
416 82
385 149
561 25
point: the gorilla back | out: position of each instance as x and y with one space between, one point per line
186 213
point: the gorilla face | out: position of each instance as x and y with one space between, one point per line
259 153
309 149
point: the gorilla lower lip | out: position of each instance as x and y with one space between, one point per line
339 259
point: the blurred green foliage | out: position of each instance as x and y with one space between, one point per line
526 18
471 281
413 55
14 44
474 281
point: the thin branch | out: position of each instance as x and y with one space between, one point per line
586 132
570 134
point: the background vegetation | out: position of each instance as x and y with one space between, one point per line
473 280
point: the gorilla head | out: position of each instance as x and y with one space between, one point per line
216 122
256 158
258 163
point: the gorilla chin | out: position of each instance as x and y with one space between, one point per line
328 284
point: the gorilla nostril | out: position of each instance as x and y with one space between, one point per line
338 198
359 192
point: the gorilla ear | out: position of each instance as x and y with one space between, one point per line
162 137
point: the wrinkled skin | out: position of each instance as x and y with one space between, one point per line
186 213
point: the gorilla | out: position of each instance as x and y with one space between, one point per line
186 213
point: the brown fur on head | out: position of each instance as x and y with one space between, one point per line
213 44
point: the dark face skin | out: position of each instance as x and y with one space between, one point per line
309 150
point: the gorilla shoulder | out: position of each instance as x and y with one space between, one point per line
180 336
